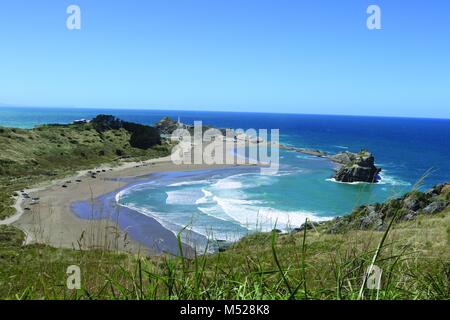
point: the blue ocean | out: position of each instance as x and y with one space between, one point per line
228 203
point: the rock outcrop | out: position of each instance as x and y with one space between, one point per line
166 125
308 226
405 208
356 167
310 152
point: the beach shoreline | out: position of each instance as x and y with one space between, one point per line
51 219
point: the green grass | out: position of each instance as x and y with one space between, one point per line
448 234
414 257
47 152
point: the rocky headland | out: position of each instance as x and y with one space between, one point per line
354 167
167 125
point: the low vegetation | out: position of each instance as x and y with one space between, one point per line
406 208
312 264
49 151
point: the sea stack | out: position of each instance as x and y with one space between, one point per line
356 167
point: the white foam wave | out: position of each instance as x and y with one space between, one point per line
181 197
215 213
207 195
227 184
187 183
388 179
307 157
384 179
206 231
286 173
152 214
352 183
131 189
173 227
252 216
247 180
119 195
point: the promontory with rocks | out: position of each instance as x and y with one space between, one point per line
405 208
354 167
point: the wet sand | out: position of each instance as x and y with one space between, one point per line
51 220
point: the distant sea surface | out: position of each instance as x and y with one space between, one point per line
229 203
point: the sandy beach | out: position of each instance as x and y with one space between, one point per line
44 212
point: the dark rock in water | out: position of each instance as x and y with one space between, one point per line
276 230
343 157
356 167
357 174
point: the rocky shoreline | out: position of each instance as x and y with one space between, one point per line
406 208
378 216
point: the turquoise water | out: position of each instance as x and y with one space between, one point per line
227 204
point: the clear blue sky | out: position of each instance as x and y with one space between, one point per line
294 56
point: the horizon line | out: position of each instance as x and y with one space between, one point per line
225 111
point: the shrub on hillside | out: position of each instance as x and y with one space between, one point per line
142 137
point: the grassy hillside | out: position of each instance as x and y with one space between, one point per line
46 152
312 264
